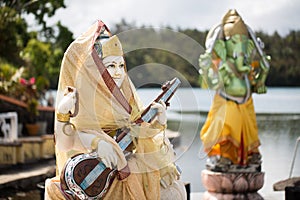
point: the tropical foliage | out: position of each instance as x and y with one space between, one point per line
284 52
30 60
40 52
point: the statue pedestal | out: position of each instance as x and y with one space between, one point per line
237 185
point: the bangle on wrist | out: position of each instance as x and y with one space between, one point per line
61 117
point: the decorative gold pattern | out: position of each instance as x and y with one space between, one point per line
63 117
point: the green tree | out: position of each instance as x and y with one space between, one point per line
13 35
19 47
40 9
13 27
62 42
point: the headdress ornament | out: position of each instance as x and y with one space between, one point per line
233 24
108 46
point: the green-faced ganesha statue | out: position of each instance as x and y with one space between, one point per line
235 66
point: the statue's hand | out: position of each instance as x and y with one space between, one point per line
205 61
265 68
261 89
169 174
65 135
225 74
107 154
161 111
68 101
243 68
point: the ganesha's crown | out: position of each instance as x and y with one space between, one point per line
233 24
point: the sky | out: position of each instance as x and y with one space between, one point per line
261 15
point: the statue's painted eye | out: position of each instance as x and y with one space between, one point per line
111 66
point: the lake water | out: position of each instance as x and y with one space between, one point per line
278 115
276 100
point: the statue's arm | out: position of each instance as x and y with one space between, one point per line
68 138
208 72
261 77
64 131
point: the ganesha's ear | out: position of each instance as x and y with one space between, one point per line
220 49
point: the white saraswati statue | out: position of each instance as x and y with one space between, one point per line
97 104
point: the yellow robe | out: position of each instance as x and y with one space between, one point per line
230 130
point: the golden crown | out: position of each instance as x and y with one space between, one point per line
112 47
233 24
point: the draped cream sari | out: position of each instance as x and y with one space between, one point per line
99 111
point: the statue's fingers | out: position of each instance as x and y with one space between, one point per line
163 104
115 160
111 160
106 163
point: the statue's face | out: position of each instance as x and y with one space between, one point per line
237 45
116 67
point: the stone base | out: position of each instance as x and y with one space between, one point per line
232 183
221 196
9 153
27 150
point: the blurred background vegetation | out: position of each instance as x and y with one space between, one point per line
40 52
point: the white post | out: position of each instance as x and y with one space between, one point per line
12 128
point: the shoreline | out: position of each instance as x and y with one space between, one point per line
205 112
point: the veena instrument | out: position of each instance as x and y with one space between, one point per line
84 176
